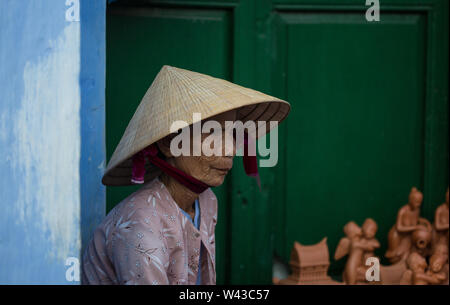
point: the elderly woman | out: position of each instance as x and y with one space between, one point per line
164 232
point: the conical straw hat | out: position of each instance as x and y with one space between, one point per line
174 95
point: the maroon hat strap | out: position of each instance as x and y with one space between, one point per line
250 162
151 152
195 185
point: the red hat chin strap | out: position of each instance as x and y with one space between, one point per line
195 185
151 152
250 162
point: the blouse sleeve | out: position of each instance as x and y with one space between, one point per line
138 252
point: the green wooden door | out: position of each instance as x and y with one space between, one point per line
359 121
369 115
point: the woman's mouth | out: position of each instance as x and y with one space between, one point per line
221 170
224 166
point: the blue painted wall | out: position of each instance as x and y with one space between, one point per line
52 154
93 145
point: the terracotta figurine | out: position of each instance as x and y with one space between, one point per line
440 236
369 230
421 238
309 265
441 220
408 219
417 274
354 246
439 264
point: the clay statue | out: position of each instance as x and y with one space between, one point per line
408 220
441 220
440 238
439 264
369 230
309 265
417 274
421 238
413 242
355 246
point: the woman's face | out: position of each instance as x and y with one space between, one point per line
210 169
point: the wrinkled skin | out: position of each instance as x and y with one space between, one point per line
211 170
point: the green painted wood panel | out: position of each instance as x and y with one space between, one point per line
250 223
355 139
140 40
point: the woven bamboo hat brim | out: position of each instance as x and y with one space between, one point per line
174 95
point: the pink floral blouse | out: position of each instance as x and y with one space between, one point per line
146 239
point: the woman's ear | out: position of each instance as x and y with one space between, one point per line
164 146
